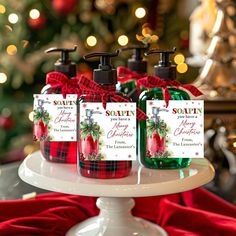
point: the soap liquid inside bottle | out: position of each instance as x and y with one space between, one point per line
158 163
55 151
101 169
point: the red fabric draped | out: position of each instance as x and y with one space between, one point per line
193 213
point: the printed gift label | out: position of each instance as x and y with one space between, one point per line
107 134
55 118
175 131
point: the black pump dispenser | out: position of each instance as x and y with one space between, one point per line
136 62
105 74
64 64
164 70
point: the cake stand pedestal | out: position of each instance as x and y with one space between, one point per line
115 200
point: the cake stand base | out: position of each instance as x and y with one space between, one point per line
115 219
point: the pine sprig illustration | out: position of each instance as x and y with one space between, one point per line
94 129
41 115
159 126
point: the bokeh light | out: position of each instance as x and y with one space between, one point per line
91 41
34 14
3 78
13 18
11 50
182 68
179 58
31 116
123 40
2 9
140 12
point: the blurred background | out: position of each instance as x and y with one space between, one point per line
204 33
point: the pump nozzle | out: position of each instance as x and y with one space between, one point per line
105 74
64 64
164 56
136 62
164 70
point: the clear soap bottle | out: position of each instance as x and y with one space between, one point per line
58 151
105 76
152 142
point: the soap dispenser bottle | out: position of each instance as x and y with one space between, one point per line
152 145
61 81
106 78
137 68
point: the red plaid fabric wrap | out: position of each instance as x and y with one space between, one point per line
125 75
60 81
105 169
60 152
155 82
94 91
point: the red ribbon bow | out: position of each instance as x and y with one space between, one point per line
155 82
125 75
60 81
97 92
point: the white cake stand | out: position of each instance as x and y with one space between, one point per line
115 200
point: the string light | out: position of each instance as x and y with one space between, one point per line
140 12
123 40
13 18
11 50
2 9
3 78
91 41
179 58
31 116
182 68
34 14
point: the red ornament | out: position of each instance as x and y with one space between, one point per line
89 146
38 23
63 7
6 122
